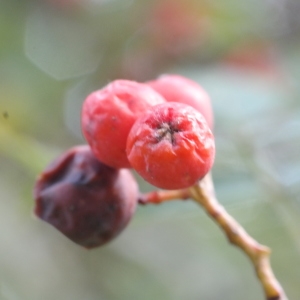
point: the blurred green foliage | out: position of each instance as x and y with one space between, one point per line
245 53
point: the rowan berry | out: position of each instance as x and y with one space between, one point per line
176 88
87 201
171 146
108 115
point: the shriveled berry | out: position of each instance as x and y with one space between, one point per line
171 146
86 200
108 115
176 88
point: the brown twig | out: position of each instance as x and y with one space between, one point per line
203 193
157 197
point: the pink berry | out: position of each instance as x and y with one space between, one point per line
176 88
171 146
108 115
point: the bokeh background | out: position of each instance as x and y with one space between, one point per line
246 54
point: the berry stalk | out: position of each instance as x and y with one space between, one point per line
203 193
157 197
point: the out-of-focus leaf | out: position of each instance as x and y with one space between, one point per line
74 98
238 96
133 280
108 6
61 45
23 150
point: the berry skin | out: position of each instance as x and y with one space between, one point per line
108 115
87 201
176 88
171 146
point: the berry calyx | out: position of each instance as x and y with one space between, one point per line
176 88
87 201
171 146
108 115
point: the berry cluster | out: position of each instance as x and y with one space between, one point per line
161 129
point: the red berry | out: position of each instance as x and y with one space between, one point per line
108 115
86 200
176 88
171 146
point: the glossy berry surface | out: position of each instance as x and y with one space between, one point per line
108 115
171 146
86 200
176 88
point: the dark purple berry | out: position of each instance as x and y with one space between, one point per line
86 200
